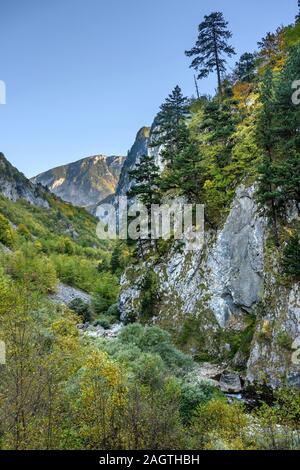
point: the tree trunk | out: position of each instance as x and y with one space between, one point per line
197 89
216 52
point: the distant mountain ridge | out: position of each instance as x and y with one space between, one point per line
84 182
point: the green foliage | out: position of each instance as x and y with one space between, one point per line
193 396
291 257
245 68
76 271
82 309
23 231
119 258
151 339
149 294
220 426
170 128
145 179
280 421
271 50
36 272
105 293
6 233
62 390
180 153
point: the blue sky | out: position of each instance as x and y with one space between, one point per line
83 76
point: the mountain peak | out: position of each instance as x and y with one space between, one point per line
86 181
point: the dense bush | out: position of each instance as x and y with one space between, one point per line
291 257
34 271
82 309
6 233
75 271
105 293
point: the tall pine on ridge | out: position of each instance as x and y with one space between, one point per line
211 46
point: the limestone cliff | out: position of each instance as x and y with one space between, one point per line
225 303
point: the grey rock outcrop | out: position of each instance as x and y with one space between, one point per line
14 185
230 382
235 262
139 148
275 352
66 294
225 278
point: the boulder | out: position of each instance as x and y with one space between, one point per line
230 382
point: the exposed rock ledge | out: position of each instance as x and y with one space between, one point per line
225 278
66 294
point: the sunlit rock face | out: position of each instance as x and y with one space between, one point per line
235 262
139 148
226 276
85 182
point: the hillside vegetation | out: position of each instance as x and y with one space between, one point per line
61 388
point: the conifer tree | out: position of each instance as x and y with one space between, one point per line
245 68
188 172
268 193
211 47
291 259
145 178
170 128
271 48
286 125
218 126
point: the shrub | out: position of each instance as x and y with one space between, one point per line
103 322
75 271
24 232
106 293
291 257
152 339
82 309
219 426
194 395
113 311
6 232
36 272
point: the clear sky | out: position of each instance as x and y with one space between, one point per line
83 76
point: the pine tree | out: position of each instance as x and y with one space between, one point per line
188 172
211 46
145 187
145 177
170 127
271 48
268 192
287 124
245 68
